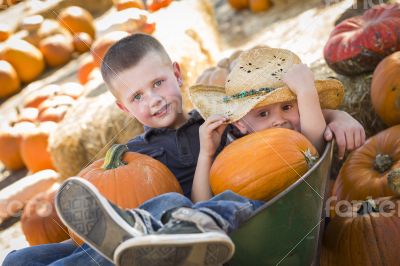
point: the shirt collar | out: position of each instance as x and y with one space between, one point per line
194 117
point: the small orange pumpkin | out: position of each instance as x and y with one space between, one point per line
71 89
154 5
366 233
385 89
57 50
10 139
55 108
82 42
27 114
114 179
34 147
9 81
5 32
26 59
84 69
103 43
40 222
76 19
269 167
125 4
365 172
37 97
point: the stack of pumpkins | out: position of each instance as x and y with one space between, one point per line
40 42
366 192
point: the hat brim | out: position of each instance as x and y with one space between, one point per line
208 100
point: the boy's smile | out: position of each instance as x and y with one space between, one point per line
150 91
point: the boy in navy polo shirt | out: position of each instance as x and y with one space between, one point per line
146 85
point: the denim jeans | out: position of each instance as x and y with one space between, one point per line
228 209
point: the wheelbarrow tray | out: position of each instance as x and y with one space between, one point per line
286 230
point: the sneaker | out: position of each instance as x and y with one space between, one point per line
189 238
98 222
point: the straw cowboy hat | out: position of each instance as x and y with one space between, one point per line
255 81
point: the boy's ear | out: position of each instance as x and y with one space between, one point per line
177 73
122 107
241 126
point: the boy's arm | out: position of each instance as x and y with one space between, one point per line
348 132
210 133
300 80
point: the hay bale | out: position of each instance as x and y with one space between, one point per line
95 123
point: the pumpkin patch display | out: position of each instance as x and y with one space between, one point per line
358 44
366 233
270 166
26 59
365 172
385 89
76 19
40 222
9 81
128 178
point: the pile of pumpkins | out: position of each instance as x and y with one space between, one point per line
365 207
41 42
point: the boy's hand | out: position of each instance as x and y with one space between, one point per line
210 134
299 78
349 133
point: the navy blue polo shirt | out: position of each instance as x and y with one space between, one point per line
178 148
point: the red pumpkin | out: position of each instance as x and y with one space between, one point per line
365 172
385 89
358 44
265 172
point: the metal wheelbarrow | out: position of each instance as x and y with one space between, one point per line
286 230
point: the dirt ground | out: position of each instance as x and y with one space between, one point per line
301 26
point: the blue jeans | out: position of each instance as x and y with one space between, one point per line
228 209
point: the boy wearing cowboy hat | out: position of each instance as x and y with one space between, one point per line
260 93
168 228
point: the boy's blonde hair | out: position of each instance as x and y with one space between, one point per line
127 53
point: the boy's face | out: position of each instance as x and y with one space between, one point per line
282 115
150 91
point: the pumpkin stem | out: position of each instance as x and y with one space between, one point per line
310 159
367 207
382 163
114 155
394 180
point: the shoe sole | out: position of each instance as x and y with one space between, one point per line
171 250
89 215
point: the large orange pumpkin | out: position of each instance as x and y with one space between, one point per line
128 178
76 19
40 222
26 59
262 164
9 81
367 233
57 49
385 89
365 172
103 43
34 147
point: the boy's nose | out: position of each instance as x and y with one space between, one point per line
279 122
156 100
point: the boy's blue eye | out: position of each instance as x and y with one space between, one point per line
137 97
287 107
263 114
158 83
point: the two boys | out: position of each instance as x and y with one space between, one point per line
146 85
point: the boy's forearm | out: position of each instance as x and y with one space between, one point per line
311 118
201 189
